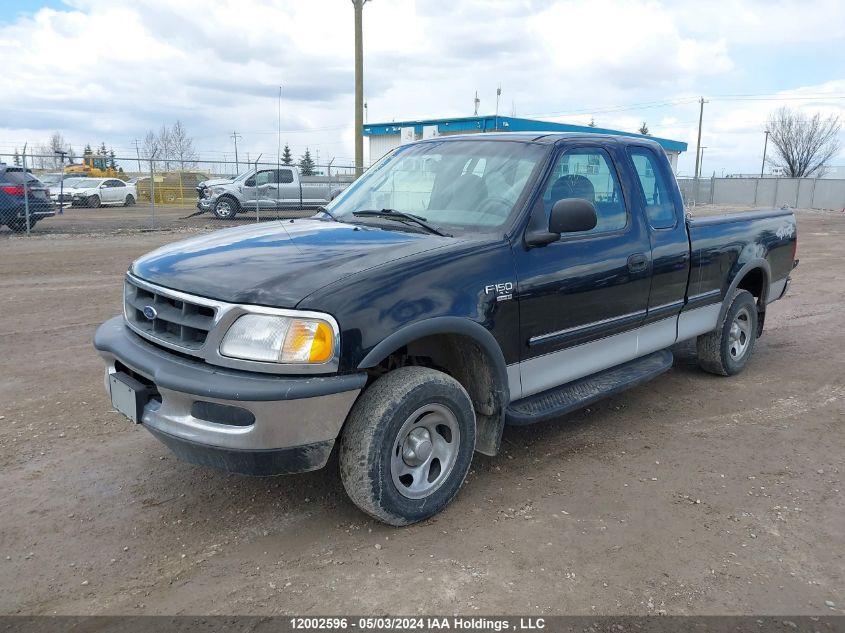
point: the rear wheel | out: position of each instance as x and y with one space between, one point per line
727 349
407 445
18 225
226 208
130 201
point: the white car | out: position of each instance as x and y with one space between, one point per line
96 192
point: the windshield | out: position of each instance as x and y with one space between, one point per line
85 183
461 185
71 182
50 179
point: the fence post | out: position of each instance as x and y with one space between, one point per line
813 194
756 187
712 187
153 192
25 190
777 186
797 192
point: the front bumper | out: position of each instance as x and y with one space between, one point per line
245 422
205 204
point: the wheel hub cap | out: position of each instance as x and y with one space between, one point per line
417 447
739 336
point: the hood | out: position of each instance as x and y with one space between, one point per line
277 263
215 181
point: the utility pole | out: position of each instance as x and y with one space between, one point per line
698 145
498 94
765 145
138 154
359 86
701 162
235 137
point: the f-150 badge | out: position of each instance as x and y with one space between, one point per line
503 290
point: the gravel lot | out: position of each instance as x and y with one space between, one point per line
690 495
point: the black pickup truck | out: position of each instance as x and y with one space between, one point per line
461 284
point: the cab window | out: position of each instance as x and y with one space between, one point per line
588 173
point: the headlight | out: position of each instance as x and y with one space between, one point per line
279 339
216 191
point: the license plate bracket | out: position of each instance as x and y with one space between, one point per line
128 395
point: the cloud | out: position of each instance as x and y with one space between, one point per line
110 71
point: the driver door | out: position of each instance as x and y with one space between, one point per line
582 298
262 189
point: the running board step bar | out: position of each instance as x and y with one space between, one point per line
584 391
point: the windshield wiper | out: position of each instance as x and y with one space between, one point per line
328 213
400 216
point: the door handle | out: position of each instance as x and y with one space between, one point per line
637 262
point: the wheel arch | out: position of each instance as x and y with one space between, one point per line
754 276
455 345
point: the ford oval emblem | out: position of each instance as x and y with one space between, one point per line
150 312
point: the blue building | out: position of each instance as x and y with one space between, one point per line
386 136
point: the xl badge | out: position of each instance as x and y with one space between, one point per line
150 312
503 290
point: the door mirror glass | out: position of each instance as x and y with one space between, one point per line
572 215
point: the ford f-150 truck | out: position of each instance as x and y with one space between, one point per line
461 284
276 188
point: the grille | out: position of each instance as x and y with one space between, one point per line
177 322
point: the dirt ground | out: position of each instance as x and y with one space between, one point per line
693 494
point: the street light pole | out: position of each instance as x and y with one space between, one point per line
765 145
359 86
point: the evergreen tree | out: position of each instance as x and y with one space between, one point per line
112 164
306 164
592 122
644 129
287 157
87 151
17 158
102 151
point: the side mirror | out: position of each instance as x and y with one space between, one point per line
569 215
572 215
103 186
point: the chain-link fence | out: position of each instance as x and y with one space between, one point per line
103 193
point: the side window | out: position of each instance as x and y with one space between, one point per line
659 205
589 173
265 177
117 183
285 176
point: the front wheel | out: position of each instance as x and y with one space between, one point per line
130 201
727 349
408 444
225 209
94 202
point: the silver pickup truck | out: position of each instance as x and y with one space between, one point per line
273 188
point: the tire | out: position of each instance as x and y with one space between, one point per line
94 202
226 208
726 350
407 445
130 201
18 225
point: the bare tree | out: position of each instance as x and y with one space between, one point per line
151 147
802 145
644 129
182 145
165 144
47 157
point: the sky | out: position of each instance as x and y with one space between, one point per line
110 71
